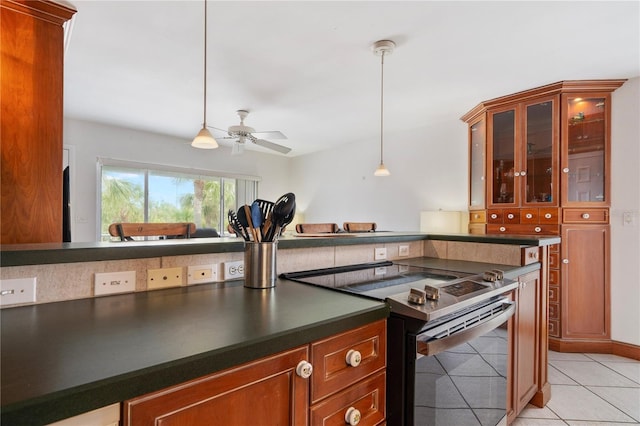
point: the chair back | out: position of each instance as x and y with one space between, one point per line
359 226
317 228
126 231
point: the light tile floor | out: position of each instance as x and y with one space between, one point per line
588 389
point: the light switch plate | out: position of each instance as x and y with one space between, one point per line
114 282
403 251
164 277
17 291
198 274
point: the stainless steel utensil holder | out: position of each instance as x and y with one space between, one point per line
260 264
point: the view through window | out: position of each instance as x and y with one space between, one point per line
134 194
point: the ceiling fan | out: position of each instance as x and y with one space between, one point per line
241 134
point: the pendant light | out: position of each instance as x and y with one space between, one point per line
204 139
382 48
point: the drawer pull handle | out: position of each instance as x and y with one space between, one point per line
502 229
565 261
510 216
476 216
304 369
494 216
533 254
353 358
352 416
523 173
585 215
565 170
529 216
537 229
547 216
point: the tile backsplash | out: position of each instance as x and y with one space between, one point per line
67 281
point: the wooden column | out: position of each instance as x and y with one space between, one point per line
32 52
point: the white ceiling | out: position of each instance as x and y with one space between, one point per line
306 68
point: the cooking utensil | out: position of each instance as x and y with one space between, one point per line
244 217
257 219
236 225
282 214
265 206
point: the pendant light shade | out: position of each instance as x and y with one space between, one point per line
204 139
382 48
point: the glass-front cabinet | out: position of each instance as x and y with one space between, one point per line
585 150
477 166
523 152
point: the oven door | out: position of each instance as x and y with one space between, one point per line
465 326
460 369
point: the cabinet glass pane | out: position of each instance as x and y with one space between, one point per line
539 152
478 141
586 149
503 160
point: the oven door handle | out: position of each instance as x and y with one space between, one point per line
436 346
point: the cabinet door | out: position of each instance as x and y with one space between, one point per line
539 184
502 158
477 164
527 323
585 282
585 150
264 392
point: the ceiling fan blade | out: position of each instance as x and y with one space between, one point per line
271 145
274 134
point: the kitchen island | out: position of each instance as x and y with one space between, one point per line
65 358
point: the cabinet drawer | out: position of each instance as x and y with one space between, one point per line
554 276
529 216
554 311
554 260
367 396
331 372
477 228
585 215
549 215
554 328
523 229
554 248
478 216
511 216
494 216
554 293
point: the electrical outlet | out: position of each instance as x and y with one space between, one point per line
165 277
199 274
403 251
114 282
627 218
17 290
233 270
380 253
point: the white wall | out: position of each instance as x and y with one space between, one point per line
428 168
91 140
625 197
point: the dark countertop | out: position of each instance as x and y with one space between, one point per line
62 359
37 254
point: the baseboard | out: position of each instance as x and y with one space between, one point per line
626 350
595 346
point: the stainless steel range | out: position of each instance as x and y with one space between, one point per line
446 334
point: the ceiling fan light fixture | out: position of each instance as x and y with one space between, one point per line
382 48
204 139
237 148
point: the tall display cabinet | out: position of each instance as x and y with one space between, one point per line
539 164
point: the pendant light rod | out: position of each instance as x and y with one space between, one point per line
204 117
204 139
382 48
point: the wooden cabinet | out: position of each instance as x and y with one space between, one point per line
525 341
348 380
31 97
547 169
585 294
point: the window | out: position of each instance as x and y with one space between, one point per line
133 192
